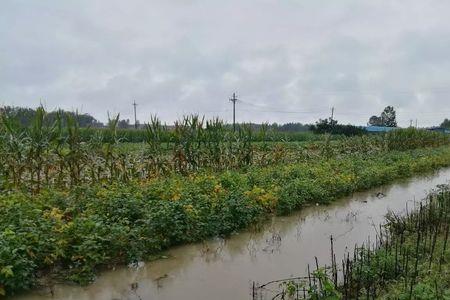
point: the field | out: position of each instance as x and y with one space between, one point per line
72 203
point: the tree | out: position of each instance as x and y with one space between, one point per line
291 127
331 126
25 116
375 121
445 124
122 124
323 126
387 118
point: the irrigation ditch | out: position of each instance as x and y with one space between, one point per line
407 259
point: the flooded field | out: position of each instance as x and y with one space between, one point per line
226 268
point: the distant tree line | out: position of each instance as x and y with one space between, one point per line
331 126
291 127
288 127
25 116
387 118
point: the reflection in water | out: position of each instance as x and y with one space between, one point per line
282 247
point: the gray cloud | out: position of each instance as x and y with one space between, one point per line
180 56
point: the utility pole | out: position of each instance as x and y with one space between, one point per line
332 120
135 120
416 123
234 99
410 123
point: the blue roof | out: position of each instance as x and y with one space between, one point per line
379 128
439 129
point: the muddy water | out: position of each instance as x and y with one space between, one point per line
224 269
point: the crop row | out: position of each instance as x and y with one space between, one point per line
74 232
57 154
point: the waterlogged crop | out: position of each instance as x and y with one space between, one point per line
72 205
75 232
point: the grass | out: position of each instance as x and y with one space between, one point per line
412 261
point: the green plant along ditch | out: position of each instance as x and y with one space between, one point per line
410 259
69 207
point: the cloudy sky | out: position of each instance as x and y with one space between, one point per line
288 60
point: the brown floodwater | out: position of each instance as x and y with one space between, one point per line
282 247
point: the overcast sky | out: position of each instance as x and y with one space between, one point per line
288 60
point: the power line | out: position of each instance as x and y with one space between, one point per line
285 111
272 108
378 91
267 108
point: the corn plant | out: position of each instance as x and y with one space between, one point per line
13 148
59 153
157 163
